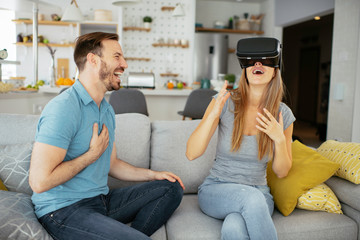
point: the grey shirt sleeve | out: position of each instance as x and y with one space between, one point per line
288 115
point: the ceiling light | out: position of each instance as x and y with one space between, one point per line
178 11
317 18
72 13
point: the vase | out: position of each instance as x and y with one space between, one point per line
52 76
147 25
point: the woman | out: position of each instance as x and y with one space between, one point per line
249 135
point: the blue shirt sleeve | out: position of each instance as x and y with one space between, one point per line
58 124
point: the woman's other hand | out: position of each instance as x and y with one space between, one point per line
220 100
270 126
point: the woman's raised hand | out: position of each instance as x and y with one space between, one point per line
270 126
220 100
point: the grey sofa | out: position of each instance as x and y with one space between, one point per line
160 146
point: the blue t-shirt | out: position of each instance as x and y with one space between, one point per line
67 122
242 166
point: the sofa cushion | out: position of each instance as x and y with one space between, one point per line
168 147
17 218
347 192
17 128
304 225
14 166
188 222
132 141
320 198
308 170
347 154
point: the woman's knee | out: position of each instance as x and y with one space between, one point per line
256 200
234 227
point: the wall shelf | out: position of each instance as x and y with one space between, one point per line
137 59
60 23
169 45
136 29
167 8
169 74
30 44
224 30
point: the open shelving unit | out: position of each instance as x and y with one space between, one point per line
225 30
136 29
169 45
137 59
29 44
59 23
169 74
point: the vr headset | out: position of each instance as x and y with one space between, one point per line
260 49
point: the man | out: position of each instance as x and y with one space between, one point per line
74 152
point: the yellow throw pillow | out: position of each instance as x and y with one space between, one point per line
2 186
320 198
308 170
347 154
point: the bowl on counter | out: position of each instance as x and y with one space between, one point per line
174 83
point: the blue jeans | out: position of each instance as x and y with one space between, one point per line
246 210
148 206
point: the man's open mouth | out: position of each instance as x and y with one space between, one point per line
118 74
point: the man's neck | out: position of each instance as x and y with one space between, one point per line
95 89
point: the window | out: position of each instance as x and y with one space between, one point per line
7 40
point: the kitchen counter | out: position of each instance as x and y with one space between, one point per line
162 104
146 92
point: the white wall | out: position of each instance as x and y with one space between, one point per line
343 117
289 12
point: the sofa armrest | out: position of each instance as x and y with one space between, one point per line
346 191
17 218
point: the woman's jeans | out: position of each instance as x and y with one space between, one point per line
148 206
246 210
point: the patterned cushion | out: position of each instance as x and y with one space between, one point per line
17 218
14 167
347 154
320 198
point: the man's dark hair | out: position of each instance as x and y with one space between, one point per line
90 43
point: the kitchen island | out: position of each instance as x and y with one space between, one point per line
162 104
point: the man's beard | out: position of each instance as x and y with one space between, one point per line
106 77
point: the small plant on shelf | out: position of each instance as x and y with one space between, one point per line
147 22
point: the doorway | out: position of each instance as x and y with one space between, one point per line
307 61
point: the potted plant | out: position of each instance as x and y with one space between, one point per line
147 22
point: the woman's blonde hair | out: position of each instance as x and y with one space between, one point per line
270 100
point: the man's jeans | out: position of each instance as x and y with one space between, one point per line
246 210
148 206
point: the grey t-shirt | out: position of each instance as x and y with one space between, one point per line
242 166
